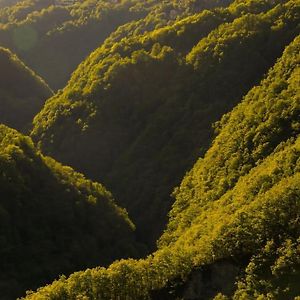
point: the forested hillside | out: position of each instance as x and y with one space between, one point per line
138 112
31 28
239 205
53 220
22 92
163 156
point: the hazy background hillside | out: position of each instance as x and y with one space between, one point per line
6 3
53 38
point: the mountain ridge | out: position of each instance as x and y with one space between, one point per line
53 220
136 126
240 202
187 112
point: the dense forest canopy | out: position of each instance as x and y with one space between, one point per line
186 113
139 133
53 220
240 202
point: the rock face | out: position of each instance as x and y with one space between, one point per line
207 282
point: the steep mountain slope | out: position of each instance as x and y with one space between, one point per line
138 113
53 38
53 220
22 93
240 203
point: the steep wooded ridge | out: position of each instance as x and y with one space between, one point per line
53 220
138 112
22 92
240 203
137 115
31 28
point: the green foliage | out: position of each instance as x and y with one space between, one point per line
272 274
53 220
248 133
241 201
137 113
44 33
22 92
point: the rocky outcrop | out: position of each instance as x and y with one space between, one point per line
206 282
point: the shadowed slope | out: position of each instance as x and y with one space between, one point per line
53 220
22 92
